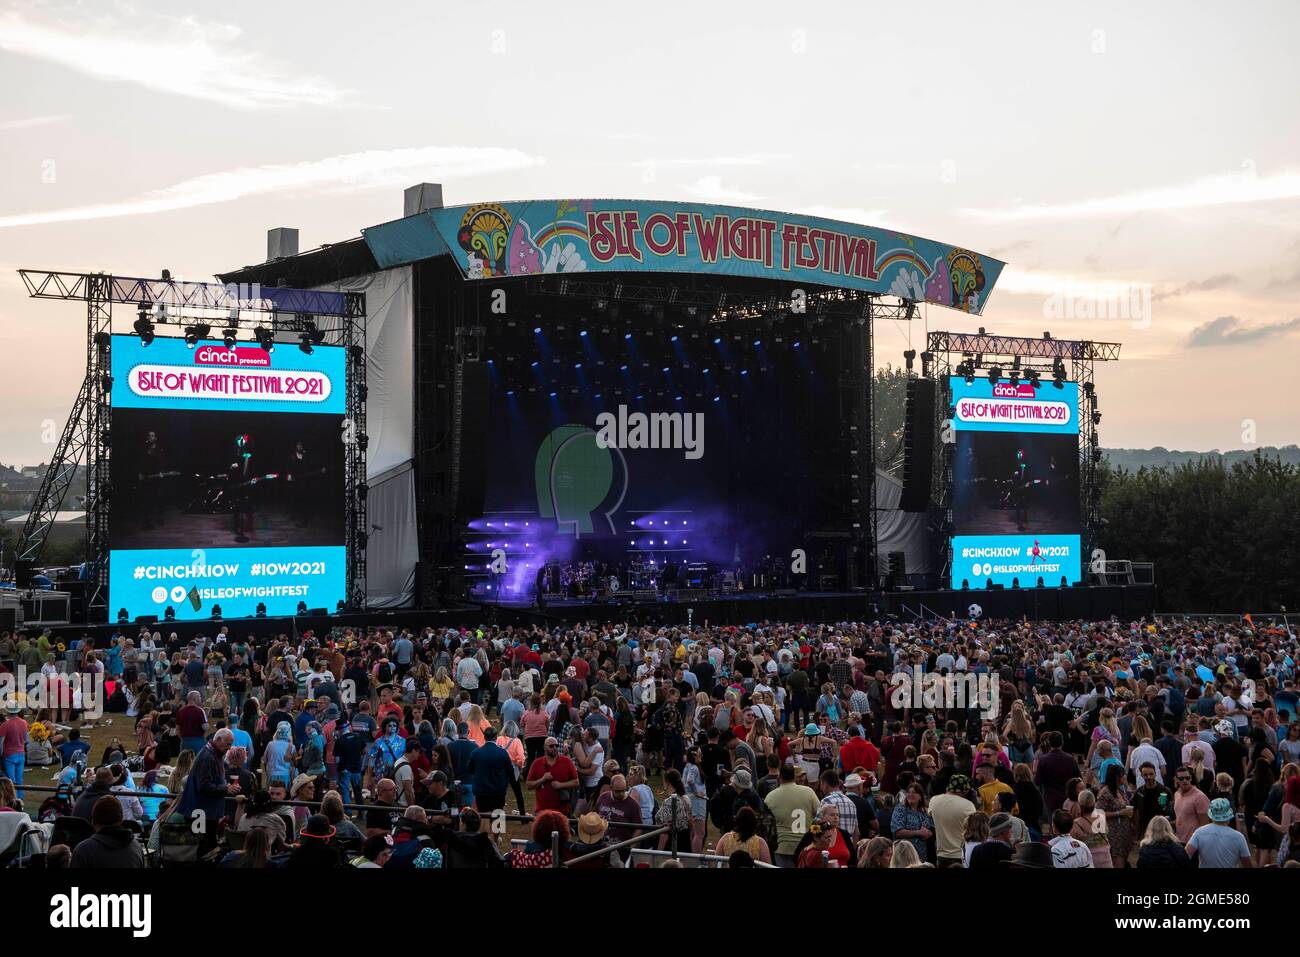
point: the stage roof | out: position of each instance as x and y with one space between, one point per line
584 236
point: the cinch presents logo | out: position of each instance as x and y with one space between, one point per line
238 356
1005 390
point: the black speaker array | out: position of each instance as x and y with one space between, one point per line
918 445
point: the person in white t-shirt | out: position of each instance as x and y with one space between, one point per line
1067 852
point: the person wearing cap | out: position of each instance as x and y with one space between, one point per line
949 812
112 844
991 853
1219 844
1229 753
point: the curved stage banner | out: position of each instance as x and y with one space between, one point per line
578 236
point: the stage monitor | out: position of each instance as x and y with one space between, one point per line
1015 492
228 478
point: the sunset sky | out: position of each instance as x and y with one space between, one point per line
1098 149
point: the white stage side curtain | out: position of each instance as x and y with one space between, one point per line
392 551
393 548
898 531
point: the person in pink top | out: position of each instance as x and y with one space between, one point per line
13 735
509 740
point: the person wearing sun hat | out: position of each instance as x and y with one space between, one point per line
1219 844
591 837
949 812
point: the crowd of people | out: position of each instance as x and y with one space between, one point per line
1161 744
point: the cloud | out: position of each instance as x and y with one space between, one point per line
710 188
849 214
1229 330
1208 191
1016 279
31 121
185 56
739 159
350 171
1204 285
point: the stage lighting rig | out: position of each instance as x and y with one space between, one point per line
264 338
230 336
995 373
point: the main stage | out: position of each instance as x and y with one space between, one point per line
1084 603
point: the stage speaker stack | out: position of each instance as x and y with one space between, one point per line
897 575
918 445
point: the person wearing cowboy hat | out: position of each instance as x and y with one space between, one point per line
1219 844
591 837
1033 854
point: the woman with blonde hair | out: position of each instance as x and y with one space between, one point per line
876 853
1107 730
905 855
477 722
441 687
1090 828
1160 847
975 833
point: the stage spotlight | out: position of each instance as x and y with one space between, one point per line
122 616
1014 377
261 609
965 584
988 583
310 336
143 327
264 339
1088 388
599 305
583 333
995 373
627 335
1096 417
169 614
1040 581
302 608
230 337
196 332
216 612
909 357
1096 455
717 341
1015 583
1033 379
106 382
537 329
1064 582
356 353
